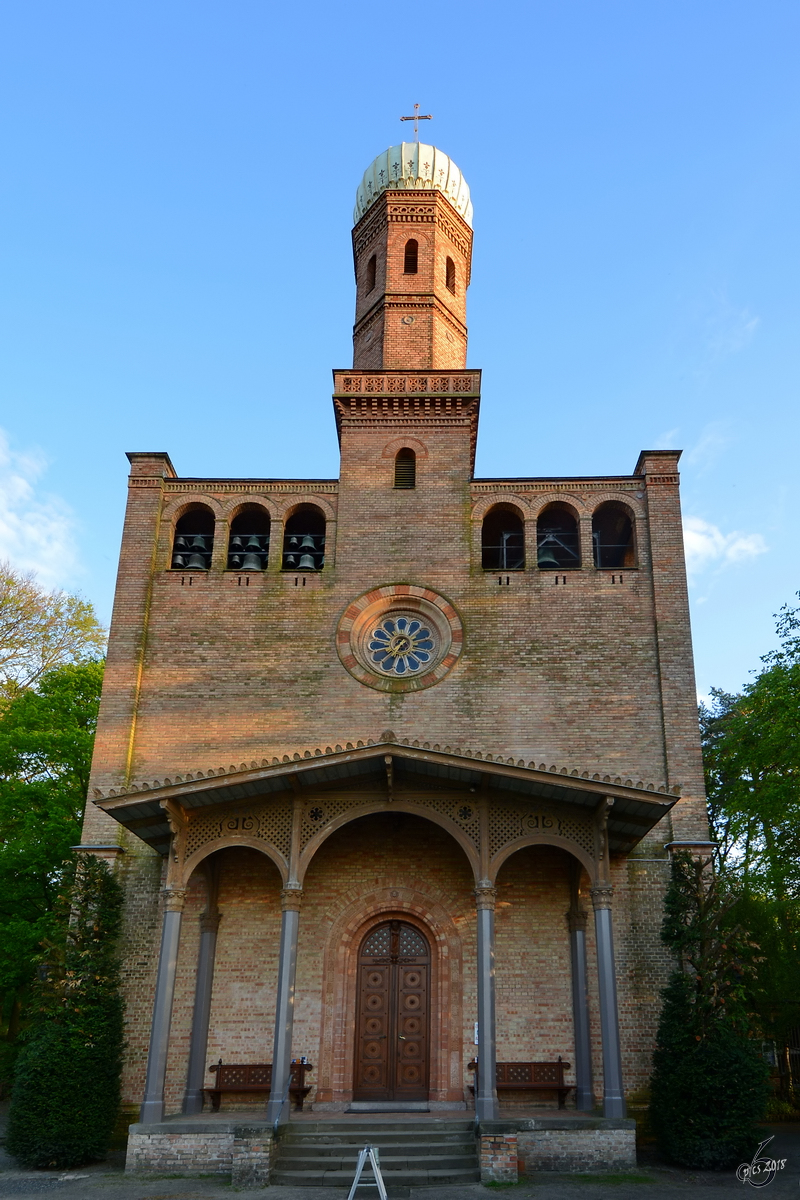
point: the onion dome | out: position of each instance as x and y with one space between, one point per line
414 167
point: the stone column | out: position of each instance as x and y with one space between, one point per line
278 1105
196 1074
152 1108
584 1092
486 1106
613 1094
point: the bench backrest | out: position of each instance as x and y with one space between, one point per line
531 1072
230 1076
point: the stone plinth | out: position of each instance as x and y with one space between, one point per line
511 1149
222 1147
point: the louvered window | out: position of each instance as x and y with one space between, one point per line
411 257
405 469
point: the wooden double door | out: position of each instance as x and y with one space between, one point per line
392 1022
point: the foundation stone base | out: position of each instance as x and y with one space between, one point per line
221 1147
515 1148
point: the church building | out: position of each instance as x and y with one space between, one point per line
390 765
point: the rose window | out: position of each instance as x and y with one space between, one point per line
401 645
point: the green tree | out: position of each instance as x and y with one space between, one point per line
751 749
66 1094
709 1085
46 739
41 630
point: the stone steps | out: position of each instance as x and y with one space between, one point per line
412 1153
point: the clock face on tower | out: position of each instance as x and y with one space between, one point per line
399 638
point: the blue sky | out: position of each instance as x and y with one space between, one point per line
175 204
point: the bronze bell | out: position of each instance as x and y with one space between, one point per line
307 542
546 557
253 543
196 563
177 561
289 560
252 562
306 563
236 542
294 541
198 542
236 561
180 542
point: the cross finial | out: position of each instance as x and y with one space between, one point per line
417 117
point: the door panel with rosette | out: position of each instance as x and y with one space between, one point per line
393 1014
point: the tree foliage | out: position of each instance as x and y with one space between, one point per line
751 749
46 739
41 630
709 1084
66 1088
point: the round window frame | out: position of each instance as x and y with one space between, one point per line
359 620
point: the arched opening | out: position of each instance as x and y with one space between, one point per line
557 539
193 541
450 275
533 974
405 468
612 536
503 539
392 1040
304 540
411 257
372 267
248 544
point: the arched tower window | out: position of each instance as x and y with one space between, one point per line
194 540
557 541
372 267
612 536
503 539
248 544
450 275
405 469
411 257
304 540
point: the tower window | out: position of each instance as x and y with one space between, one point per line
405 469
304 540
450 275
411 257
612 536
372 267
557 541
248 545
194 540
503 540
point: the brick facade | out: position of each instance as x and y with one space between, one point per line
586 673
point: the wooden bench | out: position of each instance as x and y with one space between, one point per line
256 1077
530 1077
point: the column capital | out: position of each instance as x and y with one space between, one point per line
291 899
601 894
209 921
577 919
174 899
485 895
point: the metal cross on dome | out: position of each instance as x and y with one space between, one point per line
417 117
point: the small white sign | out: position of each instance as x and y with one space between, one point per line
476 1033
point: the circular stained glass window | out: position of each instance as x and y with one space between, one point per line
401 645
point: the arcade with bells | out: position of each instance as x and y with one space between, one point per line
394 825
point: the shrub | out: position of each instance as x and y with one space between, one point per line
707 1091
710 1084
65 1098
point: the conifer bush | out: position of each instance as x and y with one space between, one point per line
66 1093
710 1083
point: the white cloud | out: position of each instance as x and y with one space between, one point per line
37 530
706 545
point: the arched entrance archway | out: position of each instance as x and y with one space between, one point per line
392 1059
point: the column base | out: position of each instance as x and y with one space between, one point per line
151 1112
614 1105
584 1100
192 1103
278 1112
487 1108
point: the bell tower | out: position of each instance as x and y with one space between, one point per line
412 246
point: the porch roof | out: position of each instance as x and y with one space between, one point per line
637 807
